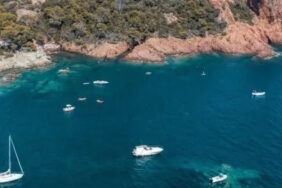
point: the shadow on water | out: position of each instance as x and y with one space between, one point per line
15 184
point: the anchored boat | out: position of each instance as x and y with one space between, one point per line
64 71
257 93
82 98
99 101
8 176
220 178
148 73
85 83
144 150
68 108
100 82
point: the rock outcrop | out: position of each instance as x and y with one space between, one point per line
103 51
24 60
267 9
238 38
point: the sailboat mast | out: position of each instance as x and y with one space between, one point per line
17 156
10 165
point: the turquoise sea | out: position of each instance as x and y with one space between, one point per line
206 124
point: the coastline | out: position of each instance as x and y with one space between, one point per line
238 39
10 67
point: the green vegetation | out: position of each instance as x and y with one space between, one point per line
131 20
16 35
82 21
241 11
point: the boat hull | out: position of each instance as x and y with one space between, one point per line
10 177
218 179
147 153
258 94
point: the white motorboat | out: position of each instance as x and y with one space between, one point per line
144 150
203 73
99 101
100 82
8 176
85 83
64 71
148 73
82 98
258 93
68 108
220 178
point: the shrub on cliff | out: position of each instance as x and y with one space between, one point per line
18 36
90 21
241 11
133 20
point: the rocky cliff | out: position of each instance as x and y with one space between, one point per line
238 38
146 31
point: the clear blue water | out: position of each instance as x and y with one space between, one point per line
206 124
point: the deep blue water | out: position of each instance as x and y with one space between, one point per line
206 125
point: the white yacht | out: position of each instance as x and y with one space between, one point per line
99 101
8 176
144 150
100 82
82 99
85 83
68 108
148 73
258 93
220 178
64 71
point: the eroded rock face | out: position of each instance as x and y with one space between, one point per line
103 51
51 47
34 2
238 37
267 9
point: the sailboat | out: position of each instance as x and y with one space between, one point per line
8 176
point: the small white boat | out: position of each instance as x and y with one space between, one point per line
68 108
257 93
100 82
148 73
203 73
82 98
64 71
99 101
220 178
144 150
8 176
85 83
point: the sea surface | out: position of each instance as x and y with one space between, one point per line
206 124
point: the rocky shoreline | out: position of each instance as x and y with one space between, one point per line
239 38
10 67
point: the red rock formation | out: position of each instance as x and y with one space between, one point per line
238 38
103 51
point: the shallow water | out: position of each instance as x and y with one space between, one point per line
206 124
